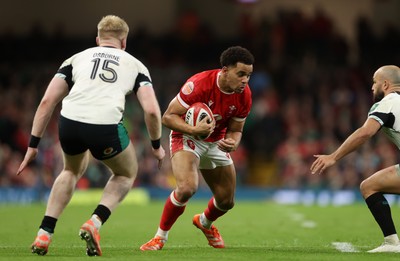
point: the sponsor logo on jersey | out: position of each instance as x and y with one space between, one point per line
188 88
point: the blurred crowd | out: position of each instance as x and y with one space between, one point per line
311 89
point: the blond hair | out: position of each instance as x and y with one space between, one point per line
112 26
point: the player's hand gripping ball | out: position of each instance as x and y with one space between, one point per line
196 112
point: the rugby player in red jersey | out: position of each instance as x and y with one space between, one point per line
227 93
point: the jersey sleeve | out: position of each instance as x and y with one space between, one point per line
190 93
65 72
382 113
143 78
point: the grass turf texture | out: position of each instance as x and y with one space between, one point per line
252 231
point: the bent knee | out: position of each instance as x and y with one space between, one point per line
184 193
366 188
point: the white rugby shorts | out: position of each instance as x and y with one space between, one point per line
208 152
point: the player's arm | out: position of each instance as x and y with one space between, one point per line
172 120
151 110
152 118
233 136
356 139
55 92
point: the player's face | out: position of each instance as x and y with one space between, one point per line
377 91
237 77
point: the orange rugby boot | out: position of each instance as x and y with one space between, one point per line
214 238
155 243
90 234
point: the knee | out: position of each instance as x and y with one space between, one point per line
71 174
365 188
184 193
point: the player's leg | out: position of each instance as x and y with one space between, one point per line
222 182
184 167
64 185
124 168
372 189
61 193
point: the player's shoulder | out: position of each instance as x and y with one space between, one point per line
391 98
388 102
209 75
138 63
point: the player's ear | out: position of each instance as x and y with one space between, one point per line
123 44
97 40
386 85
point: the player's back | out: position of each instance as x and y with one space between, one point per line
101 78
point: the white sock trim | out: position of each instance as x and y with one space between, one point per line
96 221
42 231
216 206
204 221
175 201
162 233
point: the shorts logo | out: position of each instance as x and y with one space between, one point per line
188 88
191 145
108 151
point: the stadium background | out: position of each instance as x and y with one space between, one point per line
311 86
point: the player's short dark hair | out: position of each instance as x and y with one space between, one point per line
234 55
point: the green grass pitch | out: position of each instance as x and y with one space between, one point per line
252 231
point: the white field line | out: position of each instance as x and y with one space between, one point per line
344 247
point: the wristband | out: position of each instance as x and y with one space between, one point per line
155 144
34 141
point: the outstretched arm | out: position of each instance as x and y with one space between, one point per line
357 138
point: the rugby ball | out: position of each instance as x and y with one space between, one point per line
196 112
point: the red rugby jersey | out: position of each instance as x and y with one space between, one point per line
203 87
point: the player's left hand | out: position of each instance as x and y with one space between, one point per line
29 156
322 163
227 145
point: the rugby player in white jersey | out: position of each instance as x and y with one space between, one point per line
385 115
92 86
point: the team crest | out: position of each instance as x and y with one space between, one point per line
188 88
191 145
